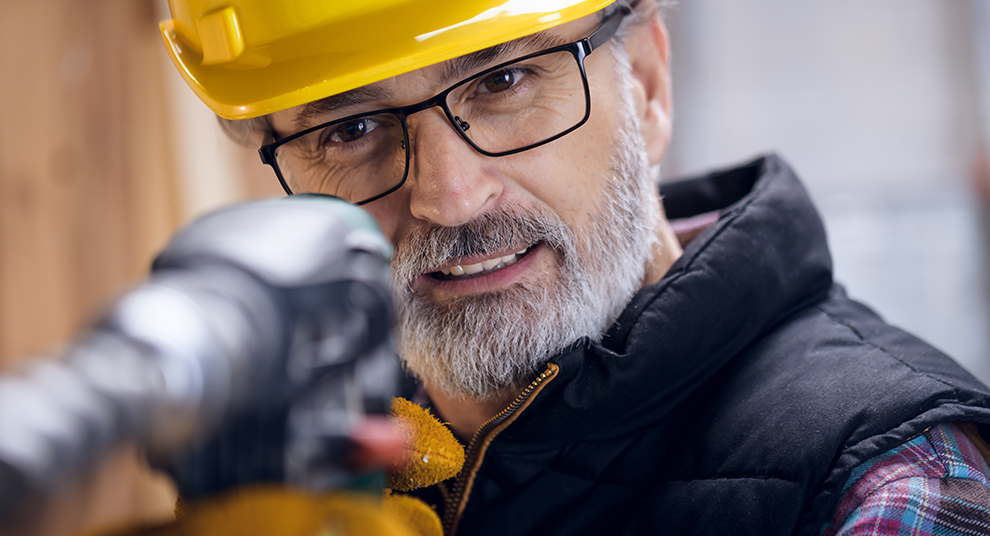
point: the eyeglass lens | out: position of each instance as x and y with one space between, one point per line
499 111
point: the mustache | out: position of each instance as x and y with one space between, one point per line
427 248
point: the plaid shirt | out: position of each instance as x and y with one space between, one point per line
935 484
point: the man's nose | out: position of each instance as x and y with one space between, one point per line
451 183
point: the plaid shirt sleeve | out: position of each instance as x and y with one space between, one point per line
937 483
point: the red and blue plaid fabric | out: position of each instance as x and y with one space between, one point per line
935 484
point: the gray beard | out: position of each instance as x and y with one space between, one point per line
482 346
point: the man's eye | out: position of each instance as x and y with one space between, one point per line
501 80
352 130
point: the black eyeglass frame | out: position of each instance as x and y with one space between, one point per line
579 49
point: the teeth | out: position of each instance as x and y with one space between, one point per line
489 265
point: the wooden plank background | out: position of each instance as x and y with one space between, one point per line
90 189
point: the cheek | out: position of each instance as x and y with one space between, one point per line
390 212
568 175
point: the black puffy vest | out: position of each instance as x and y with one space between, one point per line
734 396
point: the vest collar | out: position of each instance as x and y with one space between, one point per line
764 258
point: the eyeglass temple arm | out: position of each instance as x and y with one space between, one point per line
263 151
611 24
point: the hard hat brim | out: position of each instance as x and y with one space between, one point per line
351 53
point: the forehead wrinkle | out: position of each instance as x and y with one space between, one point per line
451 70
460 66
333 103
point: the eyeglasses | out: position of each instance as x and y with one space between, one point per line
512 107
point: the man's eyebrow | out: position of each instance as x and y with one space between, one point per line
452 70
458 67
332 103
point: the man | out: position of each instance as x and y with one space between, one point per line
603 379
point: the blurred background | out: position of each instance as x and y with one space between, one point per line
882 107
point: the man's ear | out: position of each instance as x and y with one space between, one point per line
649 57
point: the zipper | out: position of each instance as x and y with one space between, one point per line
455 500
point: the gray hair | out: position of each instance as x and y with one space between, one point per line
247 131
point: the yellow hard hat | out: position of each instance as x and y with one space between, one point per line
246 58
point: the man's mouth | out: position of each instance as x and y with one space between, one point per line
487 266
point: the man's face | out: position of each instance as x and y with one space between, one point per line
503 262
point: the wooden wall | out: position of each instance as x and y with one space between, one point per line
91 186
87 187
87 195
